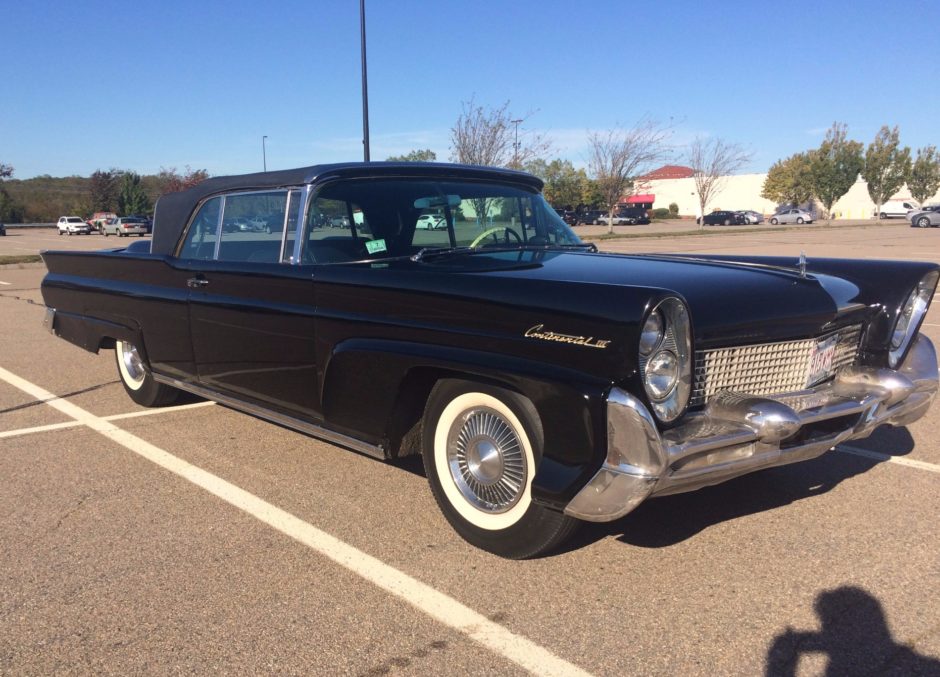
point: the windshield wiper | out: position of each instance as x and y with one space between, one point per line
447 251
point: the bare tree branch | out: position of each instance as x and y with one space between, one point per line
488 138
712 161
619 155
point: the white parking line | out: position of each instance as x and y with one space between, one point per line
7 284
910 463
113 417
441 607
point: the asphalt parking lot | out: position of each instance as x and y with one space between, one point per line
198 539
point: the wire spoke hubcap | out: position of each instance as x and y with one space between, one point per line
486 460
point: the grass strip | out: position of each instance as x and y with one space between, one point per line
732 230
20 258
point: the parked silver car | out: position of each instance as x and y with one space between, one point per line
791 216
753 217
929 218
124 226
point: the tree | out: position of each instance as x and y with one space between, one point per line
789 181
170 181
619 155
925 174
835 166
493 138
132 198
103 187
563 182
9 210
426 155
887 166
712 161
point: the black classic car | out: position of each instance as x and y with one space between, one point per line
542 382
723 218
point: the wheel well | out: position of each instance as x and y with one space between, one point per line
404 426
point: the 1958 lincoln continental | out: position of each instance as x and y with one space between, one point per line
543 382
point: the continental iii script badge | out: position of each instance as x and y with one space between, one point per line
538 331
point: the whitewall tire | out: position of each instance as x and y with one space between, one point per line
137 380
481 447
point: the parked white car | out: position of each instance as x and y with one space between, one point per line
73 225
791 216
431 222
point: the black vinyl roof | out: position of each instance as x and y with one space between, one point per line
173 210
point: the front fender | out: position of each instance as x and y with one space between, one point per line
366 380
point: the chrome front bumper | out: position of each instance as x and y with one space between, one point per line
737 434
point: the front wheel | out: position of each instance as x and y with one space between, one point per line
138 382
799 219
774 222
923 222
481 446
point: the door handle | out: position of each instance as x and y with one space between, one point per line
197 282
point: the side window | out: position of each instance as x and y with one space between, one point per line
252 226
203 232
338 231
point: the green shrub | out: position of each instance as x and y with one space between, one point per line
674 209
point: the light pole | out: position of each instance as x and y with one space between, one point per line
264 153
365 82
515 145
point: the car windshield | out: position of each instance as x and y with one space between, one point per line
357 219
75 219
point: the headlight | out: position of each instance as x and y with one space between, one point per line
910 316
652 333
662 373
665 357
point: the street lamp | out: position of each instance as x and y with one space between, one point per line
264 153
365 83
515 145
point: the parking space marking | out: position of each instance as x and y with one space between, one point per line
113 417
7 284
920 465
439 606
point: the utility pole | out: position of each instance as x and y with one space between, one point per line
515 145
264 153
365 82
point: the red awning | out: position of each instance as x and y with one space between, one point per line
640 199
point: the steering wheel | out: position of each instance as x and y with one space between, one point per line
493 231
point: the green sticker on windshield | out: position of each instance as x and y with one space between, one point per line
376 246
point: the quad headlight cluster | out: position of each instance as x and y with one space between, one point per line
665 357
910 316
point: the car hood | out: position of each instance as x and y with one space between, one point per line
729 301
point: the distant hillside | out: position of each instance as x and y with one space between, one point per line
46 198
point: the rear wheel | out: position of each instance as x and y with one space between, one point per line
727 222
799 219
882 215
138 381
774 222
481 446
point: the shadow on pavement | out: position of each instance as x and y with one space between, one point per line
854 637
661 522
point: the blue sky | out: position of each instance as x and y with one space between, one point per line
141 86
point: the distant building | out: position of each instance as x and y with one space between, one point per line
742 191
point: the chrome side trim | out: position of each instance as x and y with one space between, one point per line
311 429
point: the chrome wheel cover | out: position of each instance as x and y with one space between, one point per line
486 460
133 366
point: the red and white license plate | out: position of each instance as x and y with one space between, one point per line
820 363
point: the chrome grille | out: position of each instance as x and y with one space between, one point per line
768 368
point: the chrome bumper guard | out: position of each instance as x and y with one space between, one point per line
737 434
